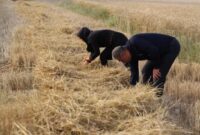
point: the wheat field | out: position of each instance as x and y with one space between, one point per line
132 16
45 88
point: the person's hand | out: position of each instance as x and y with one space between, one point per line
86 57
156 74
86 60
86 63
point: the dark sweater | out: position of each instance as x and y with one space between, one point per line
147 46
104 38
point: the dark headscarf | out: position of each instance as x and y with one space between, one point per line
84 33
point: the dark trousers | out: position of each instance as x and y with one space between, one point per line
164 67
106 55
117 40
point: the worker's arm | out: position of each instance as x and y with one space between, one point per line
89 48
95 52
134 72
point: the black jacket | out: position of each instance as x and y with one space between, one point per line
101 38
148 46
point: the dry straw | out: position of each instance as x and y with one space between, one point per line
72 99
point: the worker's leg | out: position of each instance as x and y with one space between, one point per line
147 72
167 62
165 66
106 55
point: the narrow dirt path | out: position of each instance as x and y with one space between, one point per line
8 20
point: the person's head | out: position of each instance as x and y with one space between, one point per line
84 33
122 54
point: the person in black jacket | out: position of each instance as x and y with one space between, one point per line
160 52
101 38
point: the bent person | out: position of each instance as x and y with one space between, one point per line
159 50
94 40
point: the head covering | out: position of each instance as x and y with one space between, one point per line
84 33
